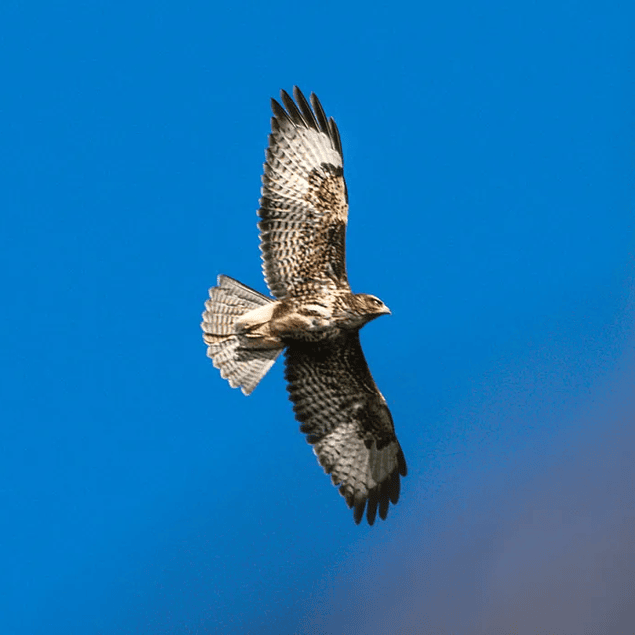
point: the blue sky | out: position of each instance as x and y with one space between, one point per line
489 159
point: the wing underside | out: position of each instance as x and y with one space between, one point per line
304 204
347 421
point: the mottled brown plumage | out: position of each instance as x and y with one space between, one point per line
315 317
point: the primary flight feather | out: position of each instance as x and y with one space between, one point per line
314 318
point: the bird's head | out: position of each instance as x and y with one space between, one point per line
370 306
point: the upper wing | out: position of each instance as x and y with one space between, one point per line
304 204
348 422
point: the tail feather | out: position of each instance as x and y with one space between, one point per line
243 367
236 289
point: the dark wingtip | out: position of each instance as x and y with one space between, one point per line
384 502
294 112
305 108
334 133
358 513
401 459
394 488
279 112
319 114
371 508
307 113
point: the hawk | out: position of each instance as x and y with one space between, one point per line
313 317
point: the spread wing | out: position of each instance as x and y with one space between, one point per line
304 204
347 421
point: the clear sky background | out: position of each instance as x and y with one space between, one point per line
489 154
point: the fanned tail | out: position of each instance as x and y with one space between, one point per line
242 366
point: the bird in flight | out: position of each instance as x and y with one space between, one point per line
313 317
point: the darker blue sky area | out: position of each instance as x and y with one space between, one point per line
489 155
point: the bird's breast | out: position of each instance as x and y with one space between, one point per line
310 322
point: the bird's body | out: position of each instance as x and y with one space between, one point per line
307 319
315 317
